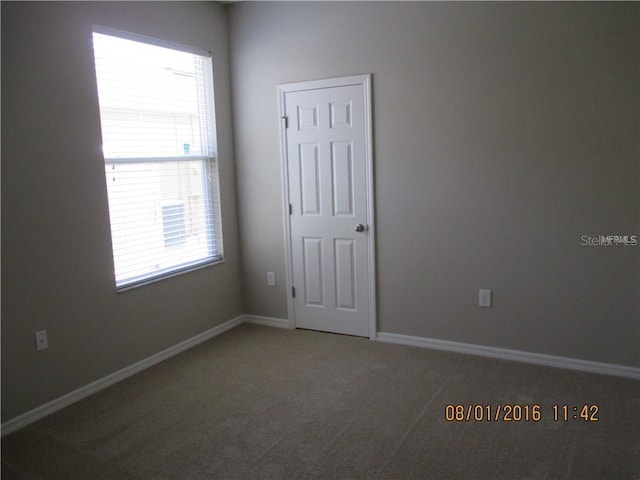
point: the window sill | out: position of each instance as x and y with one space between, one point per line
167 275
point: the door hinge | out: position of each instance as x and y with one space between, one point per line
286 121
290 209
293 292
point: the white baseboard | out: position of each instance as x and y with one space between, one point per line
534 358
61 402
515 355
268 321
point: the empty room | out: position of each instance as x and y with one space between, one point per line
328 240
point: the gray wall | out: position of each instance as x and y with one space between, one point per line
503 132
56 250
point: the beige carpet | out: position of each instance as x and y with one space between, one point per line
259 402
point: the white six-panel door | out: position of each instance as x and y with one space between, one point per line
327 154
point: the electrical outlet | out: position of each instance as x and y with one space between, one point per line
484 298
271 279
41 340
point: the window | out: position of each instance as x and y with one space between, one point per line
158 141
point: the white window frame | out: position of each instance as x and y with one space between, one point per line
210 176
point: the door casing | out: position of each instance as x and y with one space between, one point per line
283 89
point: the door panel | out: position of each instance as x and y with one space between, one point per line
313 272
309 179
345 271
326 154
342 178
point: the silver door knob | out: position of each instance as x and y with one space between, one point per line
359 227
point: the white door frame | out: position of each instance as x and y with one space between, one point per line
283 89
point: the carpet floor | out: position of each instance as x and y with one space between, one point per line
266 403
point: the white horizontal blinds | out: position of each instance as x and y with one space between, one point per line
161 217
154 101
156 110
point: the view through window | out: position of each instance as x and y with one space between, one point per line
158 141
